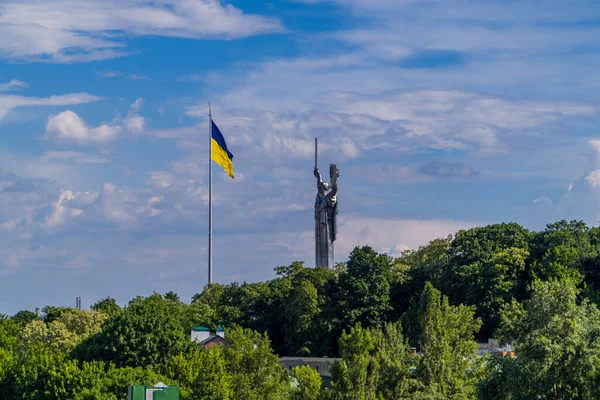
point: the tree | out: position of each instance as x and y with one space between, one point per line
107 306
225 300
83 323
428 263
481 243
199 314
395 362
449 365
202 373
308 383
375 364
558 353
10 331
54 335
116 380
355 376
590 267
562 250
94 394
365 288
31 371
309 309
65 332
503 380
68 378
52 313
7 363
301 308
255 369
172 296
25 316
268 313
146 333
470 250
498 282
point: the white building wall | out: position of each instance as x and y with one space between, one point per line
200 336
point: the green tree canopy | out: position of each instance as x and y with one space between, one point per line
255 369
107 306
375 363
147 332
449 364
365 287
203 373
558 353
308 384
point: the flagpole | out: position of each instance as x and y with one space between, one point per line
209 194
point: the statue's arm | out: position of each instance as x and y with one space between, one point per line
317 174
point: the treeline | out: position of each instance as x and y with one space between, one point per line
535 289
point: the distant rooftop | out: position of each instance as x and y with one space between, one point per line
200 329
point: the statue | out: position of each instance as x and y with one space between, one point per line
325 215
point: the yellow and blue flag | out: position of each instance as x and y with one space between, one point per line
220 154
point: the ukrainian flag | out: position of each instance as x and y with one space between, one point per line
220 153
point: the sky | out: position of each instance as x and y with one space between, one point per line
440 115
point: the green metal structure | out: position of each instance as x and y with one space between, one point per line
150 392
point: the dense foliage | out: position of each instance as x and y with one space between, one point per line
402 328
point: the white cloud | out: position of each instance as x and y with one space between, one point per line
595 143
189 78
349 148
66 31
14 84
447 169
74 156
398 121
389 173
7 103
454 120
114 74
477 104
117 204
69 127
9 225
60 212
579 202
421 105
593 178
542 200
495 10
388 234
108 74
134 122
274 136
137 77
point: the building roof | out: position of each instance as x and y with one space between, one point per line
212 340
200 329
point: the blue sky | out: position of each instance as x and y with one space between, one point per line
441 115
